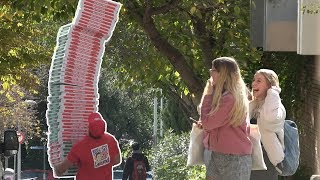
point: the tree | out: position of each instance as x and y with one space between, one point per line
182 37
171 44
27 41
175 118
128 114
17 113
150 30
191 34
24 45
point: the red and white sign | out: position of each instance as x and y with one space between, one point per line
20 137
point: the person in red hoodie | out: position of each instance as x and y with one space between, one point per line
224 118
95 155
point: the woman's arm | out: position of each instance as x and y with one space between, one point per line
272 112
218 118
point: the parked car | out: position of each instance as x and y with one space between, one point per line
117 175
8 174
149 175
37 174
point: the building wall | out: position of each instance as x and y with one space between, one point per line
309 121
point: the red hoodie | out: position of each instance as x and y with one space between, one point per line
220 136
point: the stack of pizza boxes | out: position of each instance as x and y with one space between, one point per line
74 75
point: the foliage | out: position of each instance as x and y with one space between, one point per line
191 35
156 44
16 113
172 152
27 39
125 151
24 44
186 35
128 114
310 7
175 118
169 44
161 44
53 9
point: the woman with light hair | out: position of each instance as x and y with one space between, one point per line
267 111
224 118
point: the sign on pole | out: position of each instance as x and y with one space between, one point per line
20 137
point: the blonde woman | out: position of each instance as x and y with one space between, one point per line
224 117
267 111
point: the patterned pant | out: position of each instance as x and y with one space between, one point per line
229 167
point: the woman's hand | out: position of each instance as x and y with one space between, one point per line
199 124
278 89
209 86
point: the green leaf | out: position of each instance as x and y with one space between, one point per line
193 9
237 10
5 85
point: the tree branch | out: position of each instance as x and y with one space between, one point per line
188 105
133 7
175 57
206 40
165 8
208 8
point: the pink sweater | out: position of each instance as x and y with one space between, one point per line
219 135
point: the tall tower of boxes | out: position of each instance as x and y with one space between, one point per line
74 75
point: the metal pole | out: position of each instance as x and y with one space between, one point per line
44 161
19 163
1 169
5 163
19 155
161 121
155 120
14 166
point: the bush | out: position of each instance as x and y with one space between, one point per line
169 159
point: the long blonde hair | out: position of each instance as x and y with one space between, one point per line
230 80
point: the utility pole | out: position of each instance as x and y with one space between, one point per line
19 161
155 119
14 165
29 103
44 160
161 120
5 162
155 116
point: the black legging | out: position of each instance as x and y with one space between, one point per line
269 174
